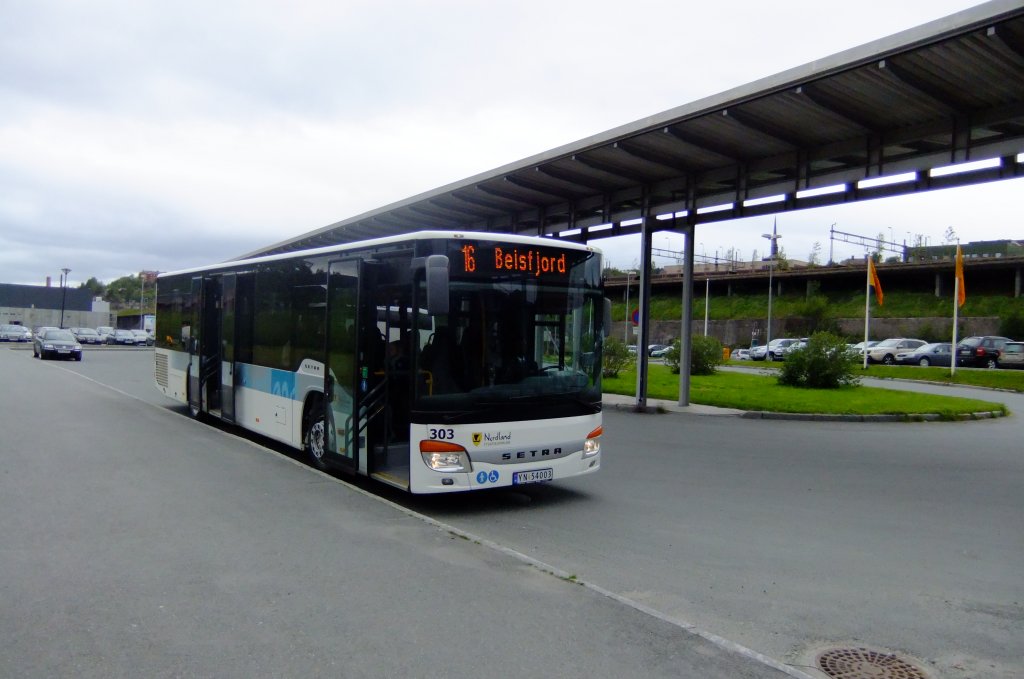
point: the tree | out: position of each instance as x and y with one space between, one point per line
781 260
124 292
814 258
732 256
94 286
950 236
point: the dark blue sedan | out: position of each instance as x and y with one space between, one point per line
56 344
936 353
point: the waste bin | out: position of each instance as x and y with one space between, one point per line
725 353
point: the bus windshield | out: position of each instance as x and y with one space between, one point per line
512 348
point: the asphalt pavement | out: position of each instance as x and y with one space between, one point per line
785 537
137 542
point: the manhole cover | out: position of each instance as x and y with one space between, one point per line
863 663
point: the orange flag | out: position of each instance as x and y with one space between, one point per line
961 294
875 283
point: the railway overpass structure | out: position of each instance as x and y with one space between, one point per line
937 106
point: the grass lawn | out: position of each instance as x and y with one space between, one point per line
763 393
1012 380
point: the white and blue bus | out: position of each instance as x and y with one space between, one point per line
433 361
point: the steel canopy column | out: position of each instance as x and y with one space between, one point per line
686 323
646 246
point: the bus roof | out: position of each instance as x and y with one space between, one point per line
374 242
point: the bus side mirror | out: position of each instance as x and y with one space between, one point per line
607 317
437 285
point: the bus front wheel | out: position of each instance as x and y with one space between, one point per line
314 440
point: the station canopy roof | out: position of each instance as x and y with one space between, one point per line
836 130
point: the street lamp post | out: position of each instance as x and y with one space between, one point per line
707 295
64 293
625 332
707 285
773 238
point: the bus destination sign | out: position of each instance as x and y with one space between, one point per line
488 259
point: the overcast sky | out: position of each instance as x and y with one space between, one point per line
152 135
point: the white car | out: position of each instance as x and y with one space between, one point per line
773 351
741 355
778 348
886 350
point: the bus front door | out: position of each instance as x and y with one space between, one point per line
204 347
227 346
341 379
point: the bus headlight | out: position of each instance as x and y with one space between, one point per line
442 456
592 446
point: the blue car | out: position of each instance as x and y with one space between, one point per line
936 353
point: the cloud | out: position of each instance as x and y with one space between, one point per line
143 135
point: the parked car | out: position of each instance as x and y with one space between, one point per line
56 343
15 333
86 335
40 329
773 351
141 337
651 348
886 350
1012 355
104 331
980 352
857 349
936 353
741 355
798 344
120 336
778 348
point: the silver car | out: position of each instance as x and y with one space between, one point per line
15 333
1012 355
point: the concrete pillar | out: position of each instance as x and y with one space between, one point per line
938 285
646 245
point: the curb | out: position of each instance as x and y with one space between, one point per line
625 404
919 417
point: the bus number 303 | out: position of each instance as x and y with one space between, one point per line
442 434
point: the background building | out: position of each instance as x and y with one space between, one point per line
35 305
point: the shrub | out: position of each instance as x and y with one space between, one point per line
705 355
615 357
825 363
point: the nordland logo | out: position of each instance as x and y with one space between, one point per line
492 438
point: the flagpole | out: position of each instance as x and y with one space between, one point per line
956 313
867 310
956 308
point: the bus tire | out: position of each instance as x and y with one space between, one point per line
314 435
